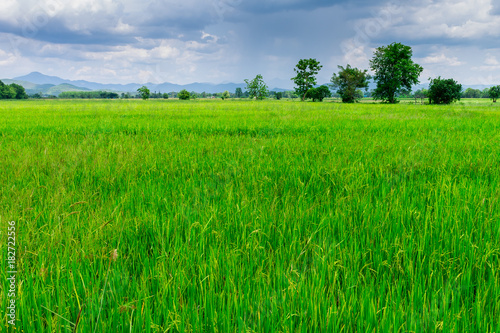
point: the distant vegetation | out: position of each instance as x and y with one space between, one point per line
318 94
88 94
184 94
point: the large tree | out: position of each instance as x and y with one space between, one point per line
395 71
306 69
444 91
494 93
348 81
257 88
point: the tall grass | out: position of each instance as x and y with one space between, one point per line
166 216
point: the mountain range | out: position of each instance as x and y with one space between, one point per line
36 82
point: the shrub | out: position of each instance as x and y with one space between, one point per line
444 91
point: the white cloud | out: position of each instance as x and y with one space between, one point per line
448 18
355 54
164 51
7 58
8 8
123 28
441 59
490 64
491 60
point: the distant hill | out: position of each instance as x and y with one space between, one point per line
36 82
44 88
56 90
37 78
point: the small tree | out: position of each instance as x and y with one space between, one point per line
472 93
184 94
348 81
318 94
494 93
444 91
422 94
225 95
144 92
257 88
395 71
238 93
279 95
305 79
165 96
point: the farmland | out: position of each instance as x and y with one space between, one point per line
271 216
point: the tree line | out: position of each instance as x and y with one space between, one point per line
145 94
88 94
395 74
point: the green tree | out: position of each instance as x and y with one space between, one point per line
144 92
485 93
20 92
494 93
225 95
279 95
422 94
348 81
257 88
6 91
306 69
238 93
472 93
184 94
395 71
444 91
319 93
165 96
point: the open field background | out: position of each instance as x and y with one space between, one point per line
252 216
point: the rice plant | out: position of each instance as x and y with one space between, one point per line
239 216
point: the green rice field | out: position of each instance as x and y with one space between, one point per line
247 216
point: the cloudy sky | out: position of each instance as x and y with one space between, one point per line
125 41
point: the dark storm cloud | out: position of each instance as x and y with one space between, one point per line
156 19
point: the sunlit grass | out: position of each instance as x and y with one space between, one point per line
154 216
